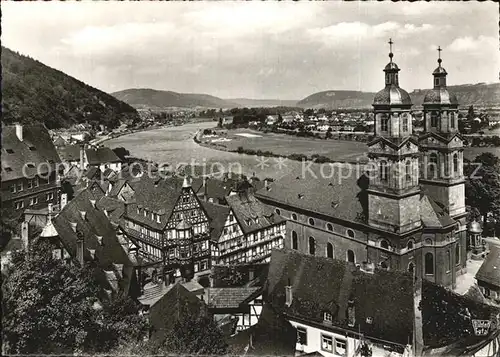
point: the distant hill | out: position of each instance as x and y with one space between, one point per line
483 95
262 103
33 92
158 99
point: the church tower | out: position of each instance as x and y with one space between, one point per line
394 193
441 172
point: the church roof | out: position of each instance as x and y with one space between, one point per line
392 95
391 66
440 96
490 269
433 215
439 70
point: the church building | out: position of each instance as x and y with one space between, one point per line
405 210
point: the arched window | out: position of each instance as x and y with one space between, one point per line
409 245
434 119
329 250
312 246
295 240
405 122
311 221
278 211
384 244
455 162
384 171
350 256
452 120
448 261
429 263
384 122
329 226
457 254
350 233
294 216
433 164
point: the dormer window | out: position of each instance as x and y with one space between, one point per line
9 151
7 169
327 317
32 148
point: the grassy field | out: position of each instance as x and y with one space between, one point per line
280 144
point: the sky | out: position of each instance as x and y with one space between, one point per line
274 50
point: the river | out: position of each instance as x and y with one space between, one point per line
175 146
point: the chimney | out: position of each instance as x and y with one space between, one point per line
64 200
25 235
82 157
19 132
205 191
288 294
79 247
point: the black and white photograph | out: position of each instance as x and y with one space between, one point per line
250 178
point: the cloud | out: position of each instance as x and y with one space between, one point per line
469 44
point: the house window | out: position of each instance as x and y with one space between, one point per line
384 171
231 218
49 196
294 216
329 250
327 343
429 264
312 246
19 186
19 204
13 188
185 199
457 254
327 317
302 336
311 221
33 201
203 265
350 233
340 346
138 210
158 218
37 181
329 226
295 240
278 211
351 257
30 183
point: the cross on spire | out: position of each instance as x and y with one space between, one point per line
390 49
439 55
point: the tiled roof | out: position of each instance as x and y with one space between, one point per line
252 214
101 155
94 226
114 207
229 298
433 215
117 186
69 152
93 173
343 195
59 141
156 195
273 335
322 285
167 310
36 148
490 269
217 215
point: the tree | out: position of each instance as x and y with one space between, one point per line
51 307
194 334
470 113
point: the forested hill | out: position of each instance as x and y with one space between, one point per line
33 92
483 95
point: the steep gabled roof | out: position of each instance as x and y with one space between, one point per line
102 155
490 269
36 148
251 214
217 215
322 285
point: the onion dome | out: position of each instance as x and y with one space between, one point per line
392 94
475 227
440 94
